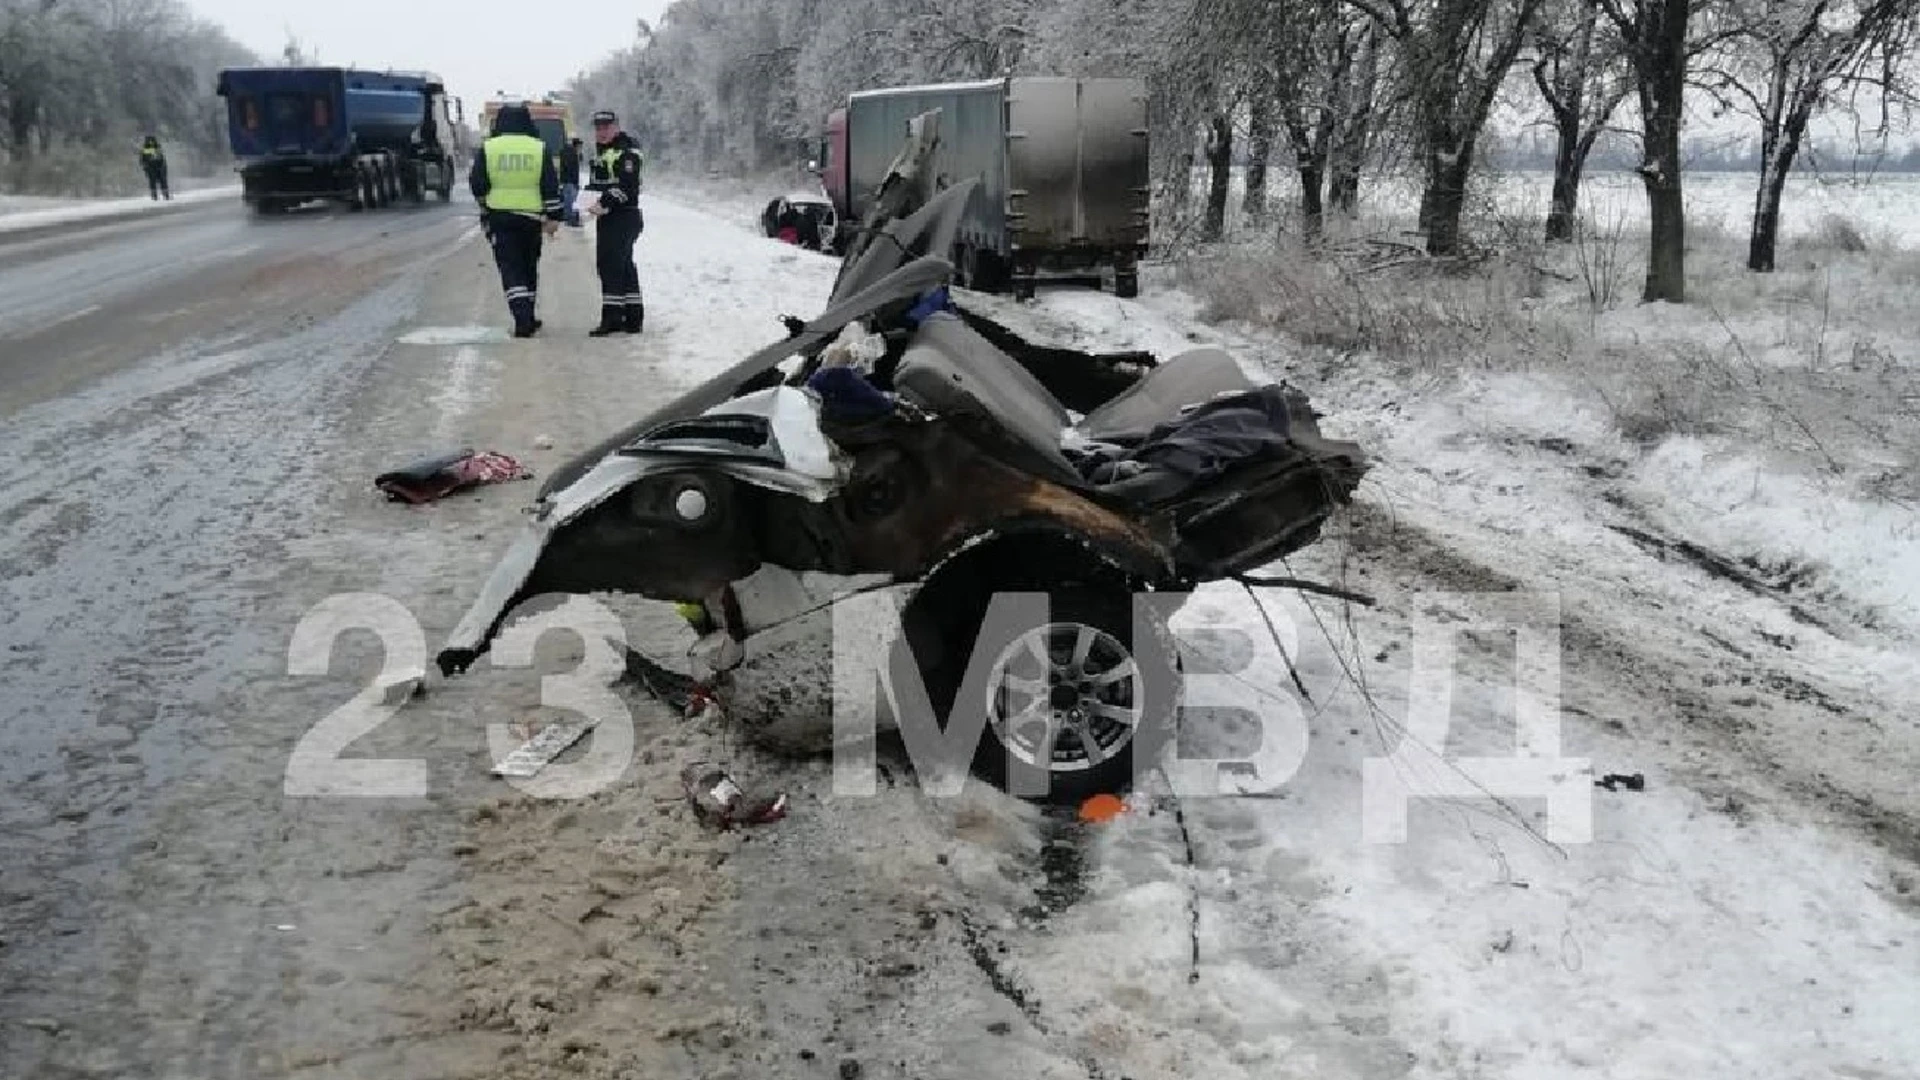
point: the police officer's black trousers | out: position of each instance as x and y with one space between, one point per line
620 300
516 251
157 182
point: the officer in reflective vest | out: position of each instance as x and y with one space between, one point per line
153 162
515 183
617 224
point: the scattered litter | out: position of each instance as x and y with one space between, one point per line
286 926
855 347
436 477
542 748
717 800
543 442
1616 781
50 1027
404 690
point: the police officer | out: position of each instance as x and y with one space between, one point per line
616 176
153 161
514 180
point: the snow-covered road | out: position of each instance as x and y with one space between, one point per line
1751 913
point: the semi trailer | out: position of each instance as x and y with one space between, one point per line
360 138
1062 165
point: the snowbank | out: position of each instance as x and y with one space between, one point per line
74 211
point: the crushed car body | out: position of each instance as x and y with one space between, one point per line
900 444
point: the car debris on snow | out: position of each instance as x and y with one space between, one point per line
436 477
538 752
720 801
1616 781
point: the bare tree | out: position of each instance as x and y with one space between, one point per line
1311 48
81 80
1655 33
1259 154
1294 63
1454 56
1797 56
1353 132
1582 77
1219 174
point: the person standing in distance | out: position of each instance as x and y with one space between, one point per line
153 162
570 181
514 181
617 224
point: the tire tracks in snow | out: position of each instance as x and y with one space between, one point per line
1620 652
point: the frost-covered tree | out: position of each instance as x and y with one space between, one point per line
82 80
1580 70
1453 57
1662 38
1791 58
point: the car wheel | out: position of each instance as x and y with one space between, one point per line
1072 703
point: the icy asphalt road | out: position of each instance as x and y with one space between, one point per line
175 400
188 465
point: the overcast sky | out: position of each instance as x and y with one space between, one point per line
478 47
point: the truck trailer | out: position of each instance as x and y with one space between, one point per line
1062 165
361 138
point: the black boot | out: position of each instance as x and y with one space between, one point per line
636 317
524 324
612 321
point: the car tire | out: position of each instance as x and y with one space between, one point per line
1097 682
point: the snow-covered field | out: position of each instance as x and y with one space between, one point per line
1885 207
1737 604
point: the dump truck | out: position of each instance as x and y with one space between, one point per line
1062 165
362 138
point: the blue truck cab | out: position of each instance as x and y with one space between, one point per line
362 138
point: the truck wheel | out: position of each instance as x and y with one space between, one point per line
1126 284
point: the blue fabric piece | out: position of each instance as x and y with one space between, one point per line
846 396
936 300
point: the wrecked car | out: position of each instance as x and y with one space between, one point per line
901 443
802 219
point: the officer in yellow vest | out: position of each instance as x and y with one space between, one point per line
617 224
515 183
153 162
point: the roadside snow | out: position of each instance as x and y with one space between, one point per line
1737 918
1726 921
66 211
